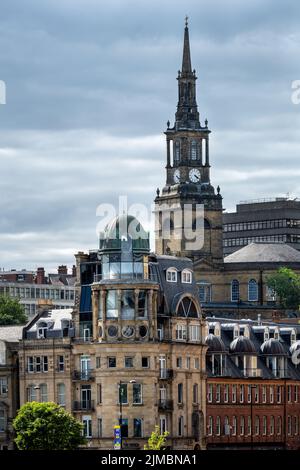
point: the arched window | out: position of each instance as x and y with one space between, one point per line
210 425
279 425
226 426
235 291
187 308
171 275
186 276
234 425
272 425
242 425
256 425
194 150
218 425
252 291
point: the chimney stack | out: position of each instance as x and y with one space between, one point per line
40 276
62 269
74 270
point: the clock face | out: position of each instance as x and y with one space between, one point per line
194 175
176 176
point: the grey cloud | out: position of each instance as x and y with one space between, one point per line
90 86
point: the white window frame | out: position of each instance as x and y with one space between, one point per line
181 332
171 275
87 424
194 333
186 276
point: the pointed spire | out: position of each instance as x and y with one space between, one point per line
186 59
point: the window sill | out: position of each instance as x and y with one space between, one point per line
137 404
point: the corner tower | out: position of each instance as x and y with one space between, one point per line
188 174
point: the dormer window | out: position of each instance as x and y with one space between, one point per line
276 333
293 337
186 276
236 331
172 275
42 327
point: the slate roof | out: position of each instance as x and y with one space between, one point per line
264 253
261 348
172 291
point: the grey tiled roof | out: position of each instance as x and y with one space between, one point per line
257 338
264 253
172 291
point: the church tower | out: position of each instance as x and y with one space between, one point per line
188 179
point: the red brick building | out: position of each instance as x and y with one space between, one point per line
253 386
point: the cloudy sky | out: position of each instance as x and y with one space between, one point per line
90 87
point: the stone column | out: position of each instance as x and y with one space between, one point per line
103 300
95 308
154 311
136 305
120 321
206 152
200 151
150 303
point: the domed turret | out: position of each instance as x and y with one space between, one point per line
272 347
242 345
124 232
214 344
124 249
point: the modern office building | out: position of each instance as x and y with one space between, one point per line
34 288
266 220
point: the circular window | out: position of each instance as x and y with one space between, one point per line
128 331
143 330
112 331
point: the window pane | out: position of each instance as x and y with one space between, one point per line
137 393
137 427
127 305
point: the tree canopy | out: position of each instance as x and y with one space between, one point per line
157 440
286 284
46 426
11 311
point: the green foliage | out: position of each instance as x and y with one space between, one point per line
286 283
156 441
11 311
46 426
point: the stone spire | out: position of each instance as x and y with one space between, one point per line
187 115
186 58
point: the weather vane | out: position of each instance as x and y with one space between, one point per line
186 20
